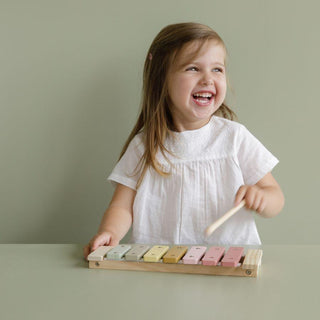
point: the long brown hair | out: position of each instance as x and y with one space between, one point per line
155 119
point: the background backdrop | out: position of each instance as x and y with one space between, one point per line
70 90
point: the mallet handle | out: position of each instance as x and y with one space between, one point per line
224 218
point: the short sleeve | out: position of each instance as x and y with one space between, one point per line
254 158
127 171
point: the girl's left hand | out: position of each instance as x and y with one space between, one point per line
254 197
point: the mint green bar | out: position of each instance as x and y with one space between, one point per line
118 252
137 252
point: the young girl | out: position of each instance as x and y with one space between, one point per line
186 162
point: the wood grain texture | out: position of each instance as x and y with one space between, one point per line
173 268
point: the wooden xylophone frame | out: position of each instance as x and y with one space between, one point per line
248 270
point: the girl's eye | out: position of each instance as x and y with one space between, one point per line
196 69
192 69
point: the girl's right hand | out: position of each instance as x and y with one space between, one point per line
100 239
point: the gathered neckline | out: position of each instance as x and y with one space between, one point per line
194 131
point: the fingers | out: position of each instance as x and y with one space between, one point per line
240 195
253 196
99 240
96 243
113 242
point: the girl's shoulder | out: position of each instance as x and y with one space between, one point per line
225 122
136 145
230 127
138 139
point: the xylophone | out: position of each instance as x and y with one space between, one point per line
178 259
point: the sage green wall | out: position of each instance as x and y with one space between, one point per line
70 88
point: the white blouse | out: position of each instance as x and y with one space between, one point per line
208 167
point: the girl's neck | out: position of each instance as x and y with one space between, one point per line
181 126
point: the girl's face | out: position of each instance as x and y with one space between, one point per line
197 87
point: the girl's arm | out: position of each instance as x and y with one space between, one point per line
116 220
265 197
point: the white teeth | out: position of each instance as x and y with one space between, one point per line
203 95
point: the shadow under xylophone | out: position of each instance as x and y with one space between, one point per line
178 259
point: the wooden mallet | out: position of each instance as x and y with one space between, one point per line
224 218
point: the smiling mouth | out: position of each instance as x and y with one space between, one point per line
202 98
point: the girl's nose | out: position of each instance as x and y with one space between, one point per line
207 80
